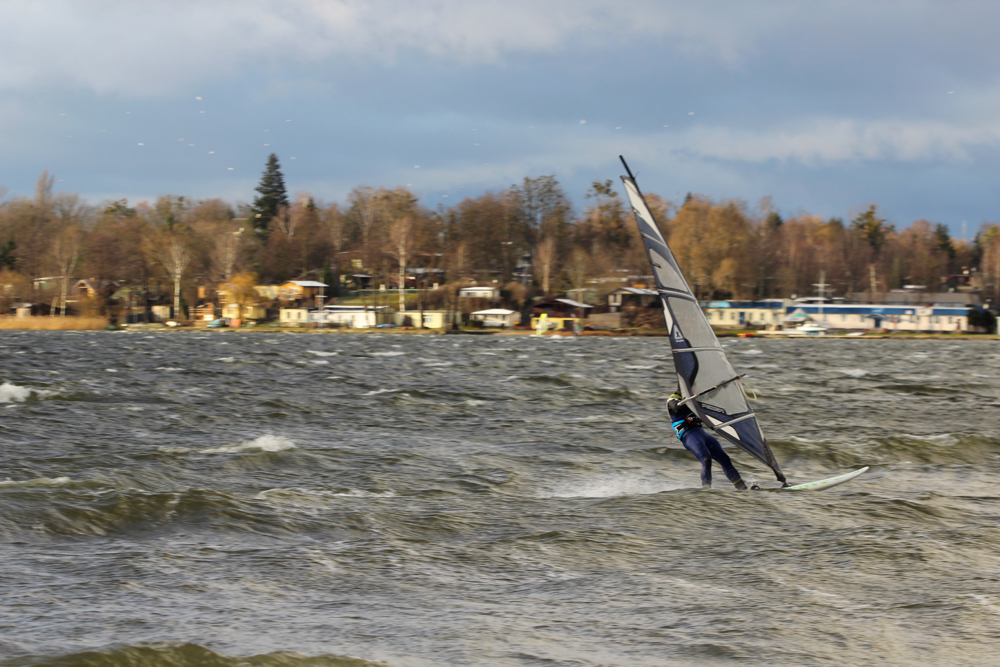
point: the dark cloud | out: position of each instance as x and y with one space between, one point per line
824 106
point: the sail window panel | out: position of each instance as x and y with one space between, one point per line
692 323
667 276
728 399
712 368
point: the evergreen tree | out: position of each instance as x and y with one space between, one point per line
272 195
7 257
942 240
872 228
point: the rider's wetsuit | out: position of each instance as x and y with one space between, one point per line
688 428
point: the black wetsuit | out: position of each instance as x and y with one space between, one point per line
696 440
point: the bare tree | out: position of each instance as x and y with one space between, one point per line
170 251
65 251
286 221
544 261
366 200
226 253
400 247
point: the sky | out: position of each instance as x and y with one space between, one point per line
824 106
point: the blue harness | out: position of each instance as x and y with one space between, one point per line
682 425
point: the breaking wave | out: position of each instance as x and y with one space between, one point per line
265 443
12 393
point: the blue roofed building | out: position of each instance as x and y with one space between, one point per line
860 316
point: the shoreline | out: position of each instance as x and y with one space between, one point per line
629 333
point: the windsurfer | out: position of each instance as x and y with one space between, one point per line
696 440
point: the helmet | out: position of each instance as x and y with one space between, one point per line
675 395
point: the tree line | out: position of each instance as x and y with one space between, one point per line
527 238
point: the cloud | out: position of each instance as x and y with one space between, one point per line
156 47
828 140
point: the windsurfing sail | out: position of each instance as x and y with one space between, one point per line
707 381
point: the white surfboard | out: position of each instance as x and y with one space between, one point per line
821 484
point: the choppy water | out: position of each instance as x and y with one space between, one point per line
196 498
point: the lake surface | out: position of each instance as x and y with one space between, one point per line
343 500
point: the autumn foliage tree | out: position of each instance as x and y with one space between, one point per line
525 238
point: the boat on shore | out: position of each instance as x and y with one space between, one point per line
807 329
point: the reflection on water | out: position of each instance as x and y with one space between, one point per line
428 500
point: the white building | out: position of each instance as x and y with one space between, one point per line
860 316
293 317
497 317
480 292
426 319
767 313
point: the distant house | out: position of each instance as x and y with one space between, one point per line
560 312
86 289
479 292
204 312
355 317
767 313
235 311
497 317
293 317
46 282
426 319
161 313
267 292
299 289
631 296
860 316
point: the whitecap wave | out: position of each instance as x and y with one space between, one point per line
40 481
265 443
301 495
853 372
387 354
376 392
321 353
174 450
226 360
12 393
611 487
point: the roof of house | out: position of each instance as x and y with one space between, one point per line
307 283
575 304
637 290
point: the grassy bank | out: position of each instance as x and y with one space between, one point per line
53 323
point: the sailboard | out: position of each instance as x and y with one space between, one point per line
708 383
821 484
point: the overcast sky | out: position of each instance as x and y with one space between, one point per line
825 106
